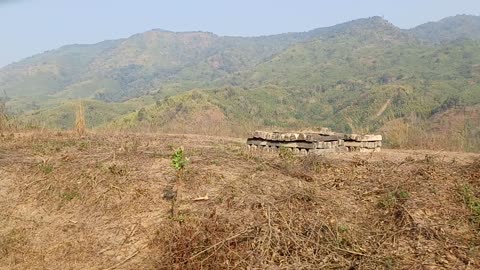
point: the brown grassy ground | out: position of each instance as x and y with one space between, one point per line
100 202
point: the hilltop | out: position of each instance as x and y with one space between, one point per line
458 27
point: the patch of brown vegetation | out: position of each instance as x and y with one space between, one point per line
456 129
97 202
210 120
80 124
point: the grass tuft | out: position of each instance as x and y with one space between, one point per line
80 123
472 201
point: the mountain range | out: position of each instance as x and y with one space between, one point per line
365 74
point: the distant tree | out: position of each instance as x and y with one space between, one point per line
386 78
142 114
450 102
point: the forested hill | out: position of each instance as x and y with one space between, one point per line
121 69
459 27
168 61
365 73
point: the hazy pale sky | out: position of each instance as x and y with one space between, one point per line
33 26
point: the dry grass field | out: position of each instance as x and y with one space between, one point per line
114 201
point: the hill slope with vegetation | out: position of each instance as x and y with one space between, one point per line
449 29
365 75
121 69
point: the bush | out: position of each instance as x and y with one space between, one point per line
178 159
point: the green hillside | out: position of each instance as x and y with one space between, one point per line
97 113
358 81
169 62
459 27
152 61
52 71
405 117
365 75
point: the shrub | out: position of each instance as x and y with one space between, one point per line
178 159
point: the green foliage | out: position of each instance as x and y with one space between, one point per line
45 167
141 115
179 161
394 198
60 114
471 201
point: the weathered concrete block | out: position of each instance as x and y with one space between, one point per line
321 151
324 139
370 138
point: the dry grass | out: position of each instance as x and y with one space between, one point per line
80 123
97 203
454 130
4 121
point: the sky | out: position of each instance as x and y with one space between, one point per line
29 27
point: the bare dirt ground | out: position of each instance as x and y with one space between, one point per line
105 202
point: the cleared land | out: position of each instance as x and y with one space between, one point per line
105 201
